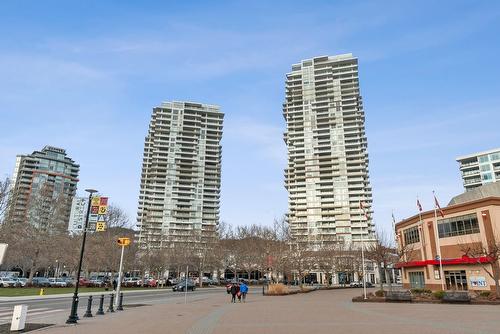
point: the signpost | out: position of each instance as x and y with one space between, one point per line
123 242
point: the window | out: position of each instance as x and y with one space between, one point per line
483 158
486 176
495 156
411 235
485 168
458 226
417 280
455 280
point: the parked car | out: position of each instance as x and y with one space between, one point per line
181 286
57 283
96 282
359 284
8 282
132 282
172 281
84 281
70 281
150 282
20 281
41 282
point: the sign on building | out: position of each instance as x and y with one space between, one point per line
477 281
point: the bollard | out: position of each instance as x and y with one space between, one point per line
111 308
88 313
263 293
120 303
100 311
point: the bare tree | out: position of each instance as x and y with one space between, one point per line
490 255
382 253
4 198
117 217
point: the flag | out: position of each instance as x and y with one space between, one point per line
419 206
438 206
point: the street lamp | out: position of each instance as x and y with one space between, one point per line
73 317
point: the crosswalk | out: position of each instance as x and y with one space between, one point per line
6 313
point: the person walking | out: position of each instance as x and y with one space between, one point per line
234 292
115 284
243 291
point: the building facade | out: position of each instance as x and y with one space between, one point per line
327 172
480 168
181 173
463 239
77 216
43 185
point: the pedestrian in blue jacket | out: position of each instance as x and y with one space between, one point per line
243 290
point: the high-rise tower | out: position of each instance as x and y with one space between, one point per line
181 173
327 173
43 186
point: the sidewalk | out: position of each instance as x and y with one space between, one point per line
327 311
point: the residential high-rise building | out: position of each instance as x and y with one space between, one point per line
480 168
78 213
181 173
327 172
43 186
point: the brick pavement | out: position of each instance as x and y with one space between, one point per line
316 312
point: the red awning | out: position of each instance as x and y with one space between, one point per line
463 260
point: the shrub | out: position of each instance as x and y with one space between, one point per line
485 294
380 293
419 291
277 289
438 294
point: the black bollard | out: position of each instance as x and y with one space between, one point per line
100 311
120 302
111 308
88 313
263 286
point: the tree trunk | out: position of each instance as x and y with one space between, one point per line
388 278
496 273
381 281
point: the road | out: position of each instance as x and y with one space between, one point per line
55 310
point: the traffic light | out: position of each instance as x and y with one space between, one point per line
123 241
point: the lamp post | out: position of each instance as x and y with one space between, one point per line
72 319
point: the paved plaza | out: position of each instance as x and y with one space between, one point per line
317 312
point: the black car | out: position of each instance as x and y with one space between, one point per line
181 286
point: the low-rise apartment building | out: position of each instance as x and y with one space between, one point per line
464 239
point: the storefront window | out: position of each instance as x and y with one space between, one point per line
417 280
456 280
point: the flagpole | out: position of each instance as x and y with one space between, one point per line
419 207
436 233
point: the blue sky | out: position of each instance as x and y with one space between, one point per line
85 76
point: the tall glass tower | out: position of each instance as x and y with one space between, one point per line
181 173
327 172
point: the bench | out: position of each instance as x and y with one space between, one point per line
398 296
456 297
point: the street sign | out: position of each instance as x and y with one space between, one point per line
123 241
